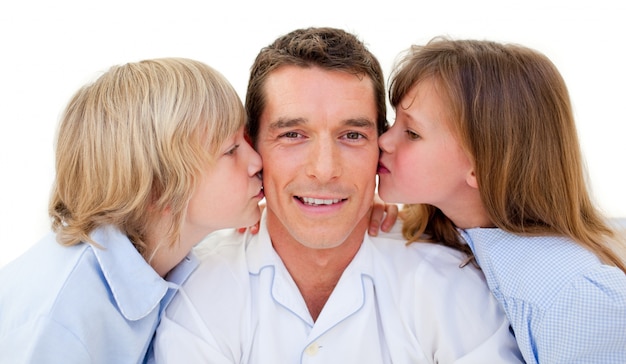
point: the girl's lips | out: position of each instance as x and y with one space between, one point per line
382 168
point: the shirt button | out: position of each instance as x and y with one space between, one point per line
312 349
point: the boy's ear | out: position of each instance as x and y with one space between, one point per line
471 179
153 206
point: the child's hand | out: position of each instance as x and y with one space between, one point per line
254 229
379 208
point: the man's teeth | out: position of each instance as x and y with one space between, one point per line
319 201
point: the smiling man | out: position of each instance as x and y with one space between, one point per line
318 137
312 286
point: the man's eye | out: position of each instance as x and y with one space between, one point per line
290 134
412 135
353 135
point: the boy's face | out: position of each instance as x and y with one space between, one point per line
228 193
318 141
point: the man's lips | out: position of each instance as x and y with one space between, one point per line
313 201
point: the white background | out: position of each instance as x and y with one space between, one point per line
51 48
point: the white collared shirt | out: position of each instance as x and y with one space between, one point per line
393 303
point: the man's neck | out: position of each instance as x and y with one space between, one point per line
316 271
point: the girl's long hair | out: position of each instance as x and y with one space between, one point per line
512 114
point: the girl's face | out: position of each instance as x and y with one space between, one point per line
421 160
228 192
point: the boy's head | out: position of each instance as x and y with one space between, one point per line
132 144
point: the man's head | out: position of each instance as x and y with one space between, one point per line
326 48
316 105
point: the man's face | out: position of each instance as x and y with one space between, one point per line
318 142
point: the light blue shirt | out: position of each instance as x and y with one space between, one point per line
564 305
81 304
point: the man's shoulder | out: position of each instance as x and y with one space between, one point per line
219 242
412 270
220 260
428 263
395 245
217 290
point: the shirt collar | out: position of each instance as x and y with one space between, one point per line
260 252
178 275
135 286
348 296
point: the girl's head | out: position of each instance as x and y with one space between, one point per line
508 109
137 144
423 161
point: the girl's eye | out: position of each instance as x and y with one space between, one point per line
412 135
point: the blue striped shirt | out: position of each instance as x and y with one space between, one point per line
564 305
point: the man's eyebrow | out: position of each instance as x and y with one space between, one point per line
282 123
360 123
287 123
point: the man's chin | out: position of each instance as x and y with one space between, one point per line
328 235
315 233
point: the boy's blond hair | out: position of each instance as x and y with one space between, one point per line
131 145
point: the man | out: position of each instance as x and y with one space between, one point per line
312 286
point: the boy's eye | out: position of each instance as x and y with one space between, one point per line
232 150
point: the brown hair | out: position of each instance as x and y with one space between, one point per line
511 112
328 48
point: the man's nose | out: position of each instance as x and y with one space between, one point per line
324 160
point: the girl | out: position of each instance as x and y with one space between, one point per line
485 148
150 158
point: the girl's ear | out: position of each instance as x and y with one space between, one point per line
471 179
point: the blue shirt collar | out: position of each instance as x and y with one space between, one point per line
136 288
